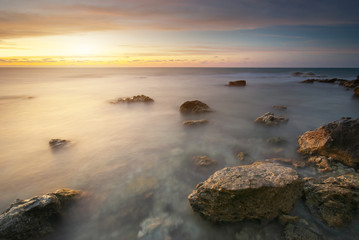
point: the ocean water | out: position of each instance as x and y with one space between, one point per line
134 160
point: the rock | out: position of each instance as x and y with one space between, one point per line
56 143
342 82
281 107
239 83
257 191
270 119
276 140
322 163
303 74
284 219
195 106
241 155
33 218
338 140
203 161
195 123
294 162
356 92
159 227
333 199
300 230
134 99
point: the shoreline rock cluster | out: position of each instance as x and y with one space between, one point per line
134 99
34 218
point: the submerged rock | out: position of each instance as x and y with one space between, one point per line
159 227
333 199
294 162
203 161
239 83
338 140
240 155
342 82
134 99
56 143
195 106
257 191
281 107
195 123
299 229
270 119
276 140
33 218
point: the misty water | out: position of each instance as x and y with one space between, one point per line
134 160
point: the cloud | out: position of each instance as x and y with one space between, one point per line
66 17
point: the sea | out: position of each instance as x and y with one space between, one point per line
134 161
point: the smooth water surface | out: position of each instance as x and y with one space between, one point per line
134 160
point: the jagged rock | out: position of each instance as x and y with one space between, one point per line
203 161
239 83
33 218
322 163
56 143
356 92
333 199
281 107
257 191
294 162
134 99
338 140
195 106
195 123
159 227
276 140
270 119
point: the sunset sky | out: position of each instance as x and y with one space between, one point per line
180 33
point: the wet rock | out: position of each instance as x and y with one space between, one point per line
284 219
300 230
257 191
33 218
56 143
134 99
356 92
294 162
281 107
159 227
203 161
195 123
322 163
195 106
333 199
304 74
342 82
276 140
270 119
338 140
239 83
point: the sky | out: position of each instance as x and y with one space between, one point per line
179 33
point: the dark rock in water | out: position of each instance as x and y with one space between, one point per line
134 99
56 143
240 155
356 92
333 199
270 119
195 123
33 218
300 230
195 106
303 74
338 140
281 107
239 83
203 161
257 191
342 82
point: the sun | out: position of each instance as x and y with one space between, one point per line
84 49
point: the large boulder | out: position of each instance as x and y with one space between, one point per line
333 199
33 218
257 191
270 119
134 99
338 140
195 106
